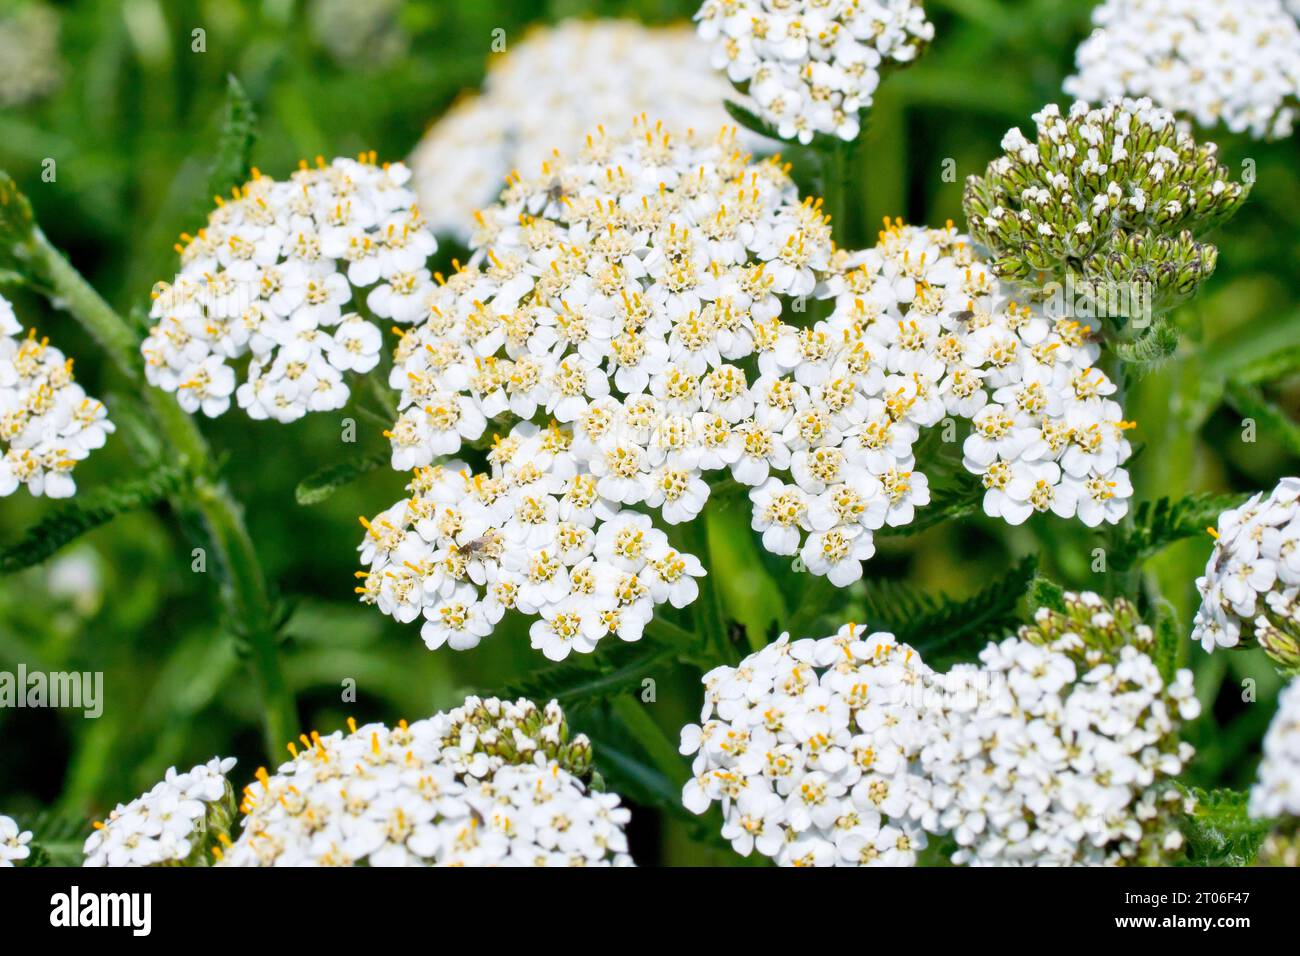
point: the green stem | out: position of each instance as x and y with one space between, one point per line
707 609
249 598
651 737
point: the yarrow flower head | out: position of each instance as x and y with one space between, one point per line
1276 793
47 421
14 842
1251 585
636 297
550 88
1108 198
811 66
1210 60
273 275
177 823
810 748
1061 746
489 783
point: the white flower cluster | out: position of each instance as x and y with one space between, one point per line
436 792
1251 585
546 91
1059 753
811 65
534 535
849 750
1211 60
169 825
47 422
1277 791
635 295
810 747
13 842
941 336
271 275
30 65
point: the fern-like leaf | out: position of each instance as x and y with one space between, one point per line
944 630
88 511
617 671
321 484
1219 832
232 162
1158 524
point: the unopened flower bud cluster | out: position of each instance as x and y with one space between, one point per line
176 823
47 421
545 91
1213 61
811 66
1250 592
490 783
1059 748
1112 197
277 275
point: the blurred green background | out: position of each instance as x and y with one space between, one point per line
131 115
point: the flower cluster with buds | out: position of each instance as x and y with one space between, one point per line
489 783
533 535
1235 63
14 842
1276 793
810 748
635 296
272 276
177 823
1251 585
546 91
811 66
1060 747
1107 198
47 421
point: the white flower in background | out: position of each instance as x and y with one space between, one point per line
1277 791
637 297
1251 585
30 66
1059 748
810 747
277 276
1209 60
490 783
546 91
810 66
175 823
360 34
47 421
13 842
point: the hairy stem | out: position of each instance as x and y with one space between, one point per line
247 596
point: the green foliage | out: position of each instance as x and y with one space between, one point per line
232 163
592 677
1250 402
1156 346
1158 524
88 511
324 482
1219 832
945 630
57 838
